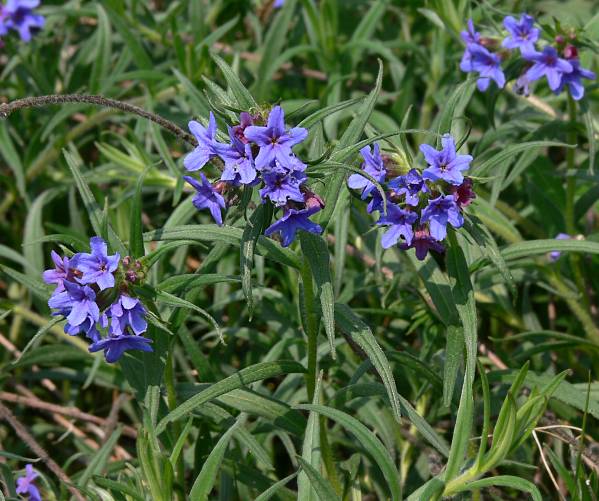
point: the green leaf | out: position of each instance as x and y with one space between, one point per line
93 210
317 253
368 440
38 335
181 284
272 490
350 136
454 355
506 481
536 247
136 239
226 234
100 458
310 449
13 160
321 485
37 287
353 326
254 228
327 111
99 72
204 482
242 378
244 98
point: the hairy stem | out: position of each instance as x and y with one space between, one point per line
7 109
311 326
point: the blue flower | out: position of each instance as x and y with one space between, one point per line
486 64
274 140
573 80
63 270
547 64
98 267
205 150
115 346
438 213
87 327
282 185
422 243
410 185
77 302
470 35
127 312
292 221
239 161
555 255
207 197
278 4
401 222
445 164
373 165
522 34
18 15
25 484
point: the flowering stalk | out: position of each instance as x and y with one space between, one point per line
40 101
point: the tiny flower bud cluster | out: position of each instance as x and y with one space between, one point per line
93 301
257 155
558 63
419 206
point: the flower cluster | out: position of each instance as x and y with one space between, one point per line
25 484
18 15
258 155
92 293
557 62
419 205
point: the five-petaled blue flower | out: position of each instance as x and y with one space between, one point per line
400 222
239 161
63 270
522 34
373 165
98 267
292 221
438 213
445 164
573 80
548 64
207 197
127 312
274 140
115 346
486 64
282 185
25 484
77 302
205 150
410 185
18 15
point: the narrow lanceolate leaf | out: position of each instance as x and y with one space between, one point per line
506 481
36 287
272 490
38 335
310 450
536 247
136 237
225 234
321 485
171 300
100 458
317 253
463 295
241 379
454 355
245 100
353 326
368 440
350 136
254 228
204 482
91 205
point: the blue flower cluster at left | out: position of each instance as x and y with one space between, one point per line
92 293
419 206
18 15
558 61
258 154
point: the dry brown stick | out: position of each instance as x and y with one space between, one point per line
24 435
113 415
73 412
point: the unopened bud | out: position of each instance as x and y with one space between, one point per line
570 52
312 200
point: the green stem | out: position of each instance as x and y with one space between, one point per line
171 398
